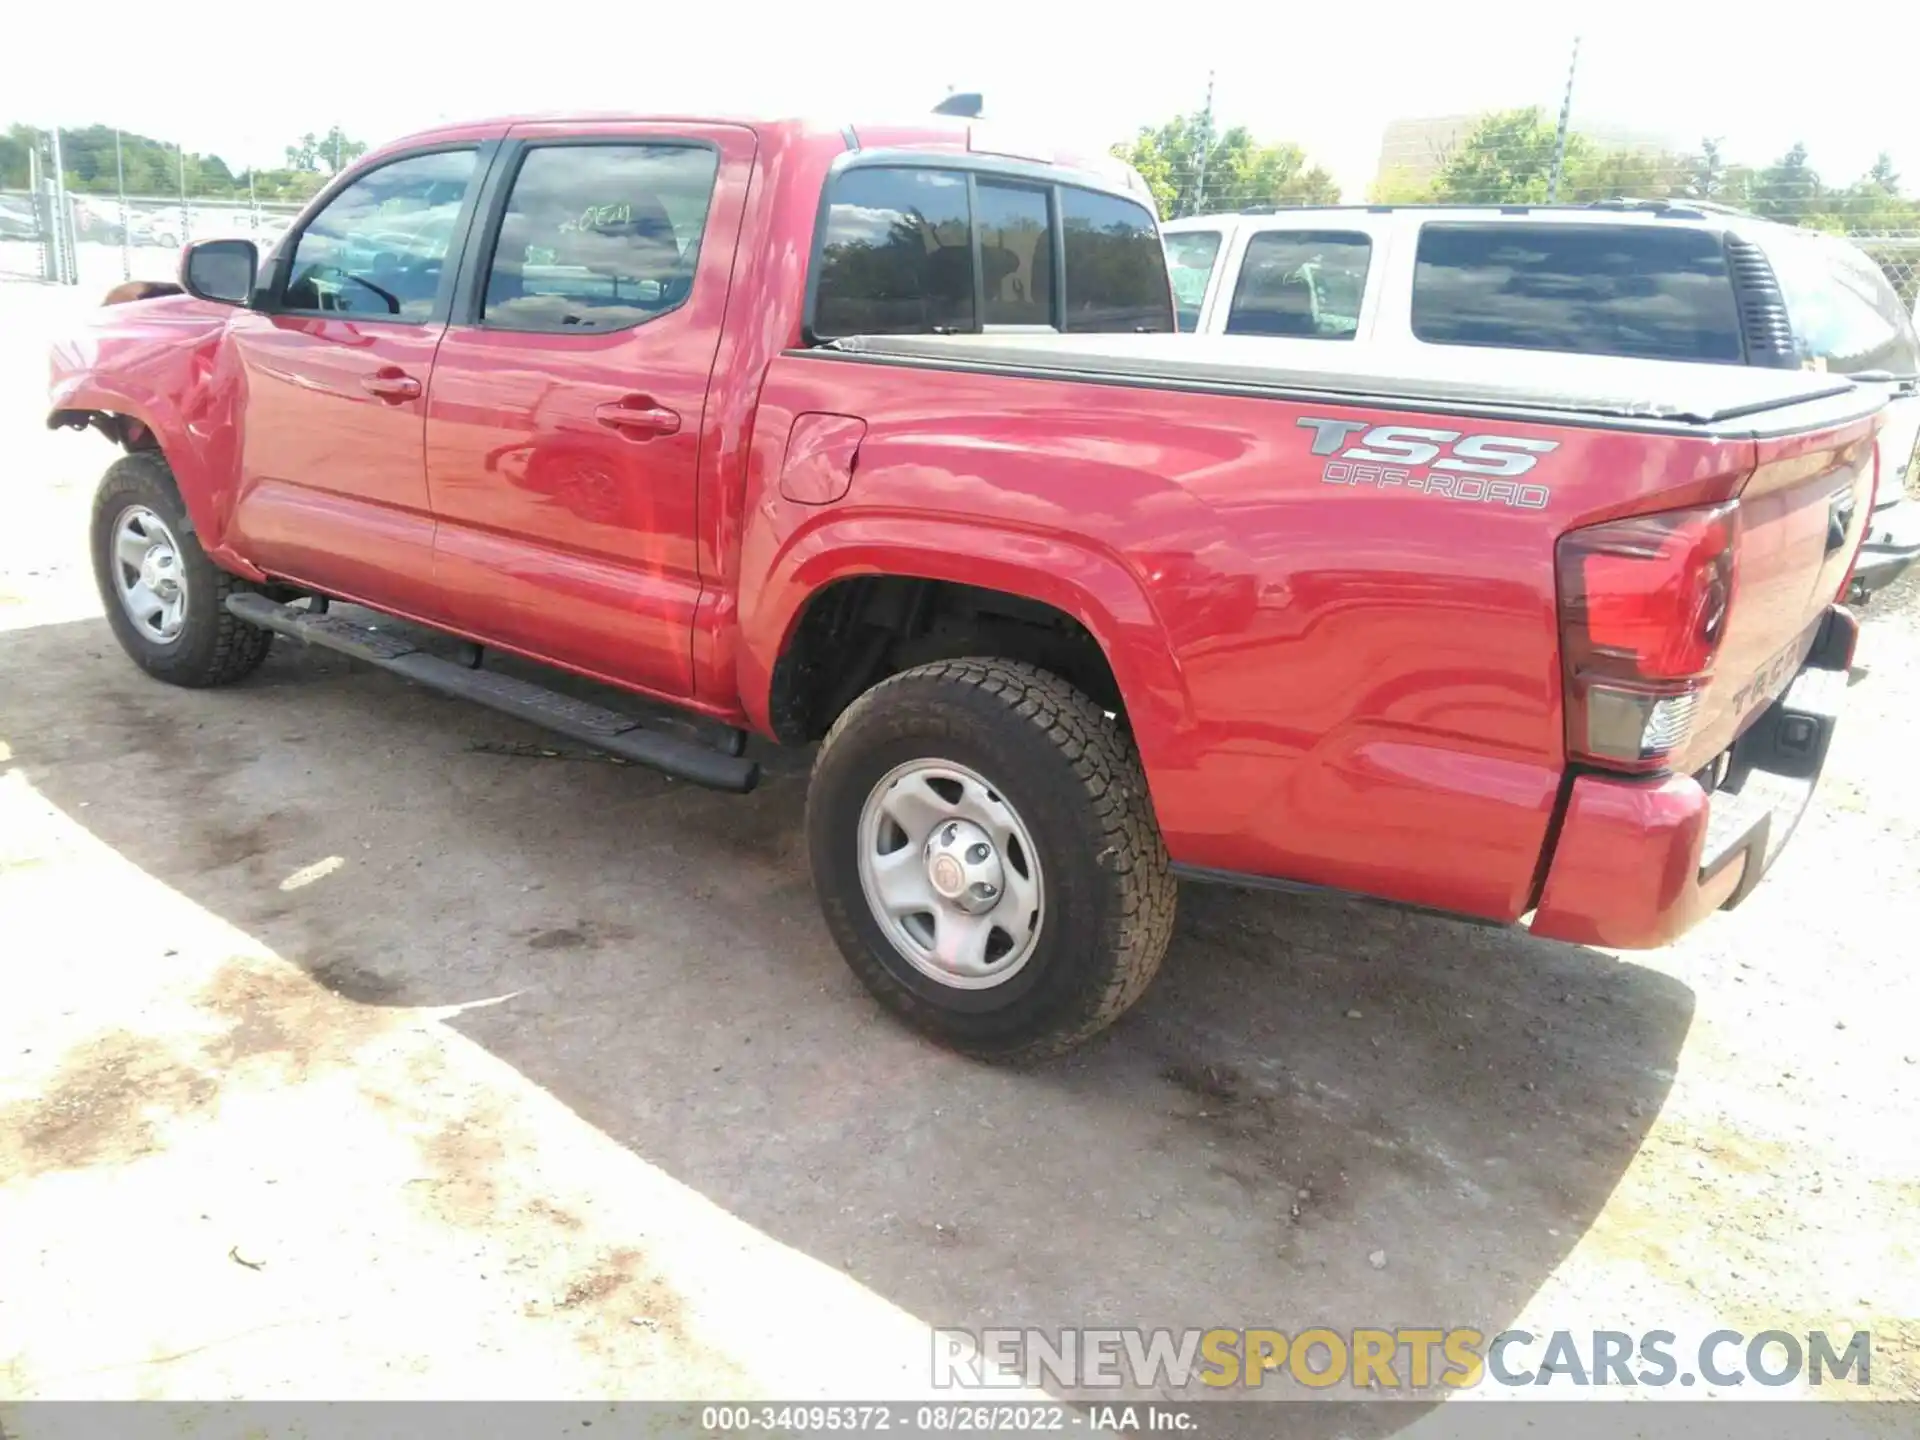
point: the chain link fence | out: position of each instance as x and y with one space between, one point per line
1899 257
56 235
28 235
55 230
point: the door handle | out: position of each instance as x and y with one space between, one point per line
391 384
638 417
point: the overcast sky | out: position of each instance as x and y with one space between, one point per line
234 80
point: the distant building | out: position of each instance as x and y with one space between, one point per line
1412 151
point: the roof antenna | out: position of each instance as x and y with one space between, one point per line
967 105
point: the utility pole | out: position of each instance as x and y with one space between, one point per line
1566 115
42 209
1206 144
66 263
120 188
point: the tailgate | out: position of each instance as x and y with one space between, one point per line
1802 514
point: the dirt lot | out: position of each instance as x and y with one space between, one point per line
350 1046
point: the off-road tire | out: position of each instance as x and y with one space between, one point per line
1074 776
213 647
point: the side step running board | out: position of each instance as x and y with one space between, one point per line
580 720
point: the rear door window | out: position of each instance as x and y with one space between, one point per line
599 237
1306 283
1643 290
1116 271
1845 316
1190 257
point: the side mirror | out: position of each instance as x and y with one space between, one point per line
220 270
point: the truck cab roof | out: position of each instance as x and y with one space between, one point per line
917 135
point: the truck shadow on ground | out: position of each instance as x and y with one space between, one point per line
1323 1114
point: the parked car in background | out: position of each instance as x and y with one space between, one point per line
97 219
17 219
163 227
1659 280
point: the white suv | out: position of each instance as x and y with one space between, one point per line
1665 280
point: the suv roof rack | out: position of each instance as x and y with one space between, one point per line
1664 206
1683 208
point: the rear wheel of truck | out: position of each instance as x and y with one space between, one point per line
985 852
166 601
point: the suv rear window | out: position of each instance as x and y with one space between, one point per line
1301 282
1642 290
900 246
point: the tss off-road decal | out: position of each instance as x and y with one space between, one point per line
1482 468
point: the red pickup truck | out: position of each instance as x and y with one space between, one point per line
852 437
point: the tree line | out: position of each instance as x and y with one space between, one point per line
1508 159
1192 170
156 167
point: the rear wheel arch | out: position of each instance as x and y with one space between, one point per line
854 632
1106 636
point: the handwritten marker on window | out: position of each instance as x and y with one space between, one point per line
307 874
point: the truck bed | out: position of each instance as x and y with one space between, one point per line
1725 400
1345 671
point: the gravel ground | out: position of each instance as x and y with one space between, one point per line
353 1046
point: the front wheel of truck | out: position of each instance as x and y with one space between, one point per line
166 601
985 853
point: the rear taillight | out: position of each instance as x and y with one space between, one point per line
1643 608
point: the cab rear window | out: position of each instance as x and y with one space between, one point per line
1116 271
1641 290
920 250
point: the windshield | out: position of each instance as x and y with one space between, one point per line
1190 257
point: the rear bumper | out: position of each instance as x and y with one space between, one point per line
1640 862
1891 546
